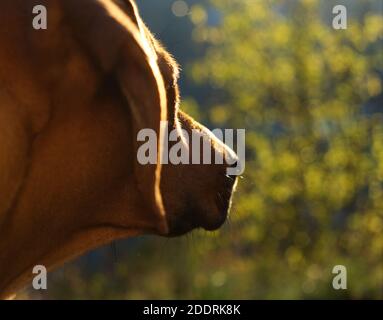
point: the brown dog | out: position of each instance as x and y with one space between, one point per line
72 100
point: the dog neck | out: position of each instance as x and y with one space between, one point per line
22 247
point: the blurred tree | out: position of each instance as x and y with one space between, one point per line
312 193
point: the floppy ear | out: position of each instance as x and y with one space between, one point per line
118 45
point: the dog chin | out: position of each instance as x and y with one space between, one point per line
192 219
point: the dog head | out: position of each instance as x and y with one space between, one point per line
186 196
74 99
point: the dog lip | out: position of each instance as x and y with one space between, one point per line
223 206
223 198
209 219
223 203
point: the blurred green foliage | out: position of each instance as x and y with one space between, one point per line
312 194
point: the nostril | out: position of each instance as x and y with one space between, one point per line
234 168
233 165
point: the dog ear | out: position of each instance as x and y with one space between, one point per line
119 46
